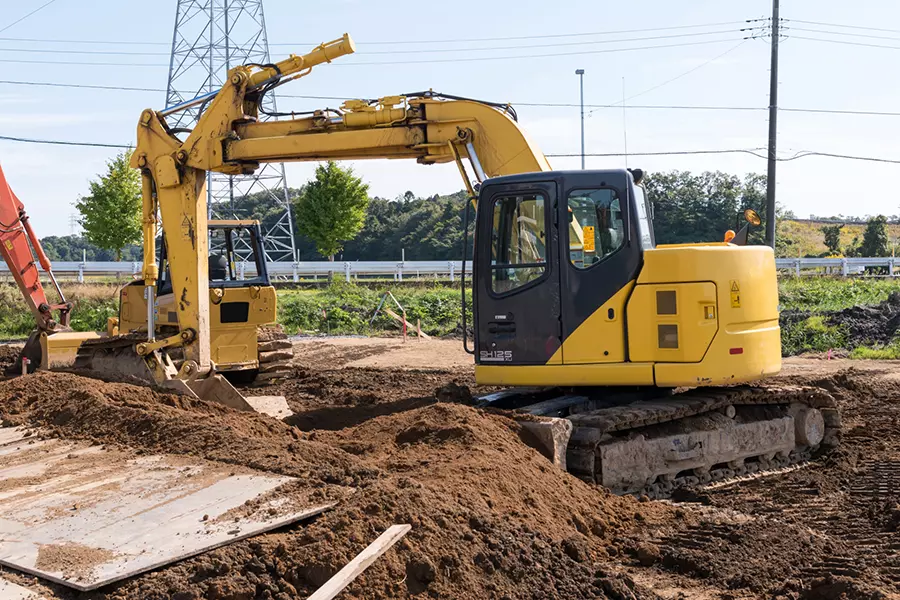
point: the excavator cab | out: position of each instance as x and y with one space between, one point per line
572 290
242 302
579 231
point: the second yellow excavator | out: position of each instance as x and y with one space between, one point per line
574 300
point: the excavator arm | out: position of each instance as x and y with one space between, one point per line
22 252
52 343
230 138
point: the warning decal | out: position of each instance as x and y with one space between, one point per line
735 294
588 233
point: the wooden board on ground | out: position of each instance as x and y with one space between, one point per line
85 516
11 591
363 560
409 327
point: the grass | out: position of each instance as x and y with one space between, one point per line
817 294
812 334
344 308
889 352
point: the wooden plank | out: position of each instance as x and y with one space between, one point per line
363 560
11 591
121 514
409 326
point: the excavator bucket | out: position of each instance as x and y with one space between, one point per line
59 350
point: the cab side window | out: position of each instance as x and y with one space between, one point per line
596 226
519 241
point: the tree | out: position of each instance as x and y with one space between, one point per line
833 237
702 207
875 238
332 208
111 213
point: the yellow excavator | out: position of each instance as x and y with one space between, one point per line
577 310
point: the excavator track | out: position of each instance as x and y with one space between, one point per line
275 353
653 444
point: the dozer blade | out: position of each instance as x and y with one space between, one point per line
116 357
50 350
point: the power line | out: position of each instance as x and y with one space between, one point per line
751 151
548 55
533 104
844 33
83 64
803 154
20 19
63 143
400 42
668 81
845 42
843 26
672 153
394 52
400 62
557 44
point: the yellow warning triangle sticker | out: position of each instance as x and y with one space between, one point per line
734 286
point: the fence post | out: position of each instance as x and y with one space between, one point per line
845 269
891 268
400 272
347 271
241 266
452 271
797 268
295 266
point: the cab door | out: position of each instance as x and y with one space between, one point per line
517 300
601 248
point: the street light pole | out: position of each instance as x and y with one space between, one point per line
580 73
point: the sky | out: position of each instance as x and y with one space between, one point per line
708 64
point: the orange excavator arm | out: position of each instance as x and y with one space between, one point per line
22 251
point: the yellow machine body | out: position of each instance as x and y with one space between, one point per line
233 346
698 314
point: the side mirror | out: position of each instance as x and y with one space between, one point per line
752 217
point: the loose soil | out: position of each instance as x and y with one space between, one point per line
491 518
866 325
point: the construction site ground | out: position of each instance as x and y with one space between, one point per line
490 516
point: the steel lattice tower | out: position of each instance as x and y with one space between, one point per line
212 36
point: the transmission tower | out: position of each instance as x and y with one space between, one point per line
212 36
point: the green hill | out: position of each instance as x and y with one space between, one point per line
808 240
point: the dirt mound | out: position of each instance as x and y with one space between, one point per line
865 325
9 354
491 518
76 407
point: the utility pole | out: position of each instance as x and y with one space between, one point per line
773 130
580 73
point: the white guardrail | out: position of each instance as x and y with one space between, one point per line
845 267
286 271
282 271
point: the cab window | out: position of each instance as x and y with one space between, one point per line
596 226
518 241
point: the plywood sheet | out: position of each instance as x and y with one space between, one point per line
85 516
11 591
